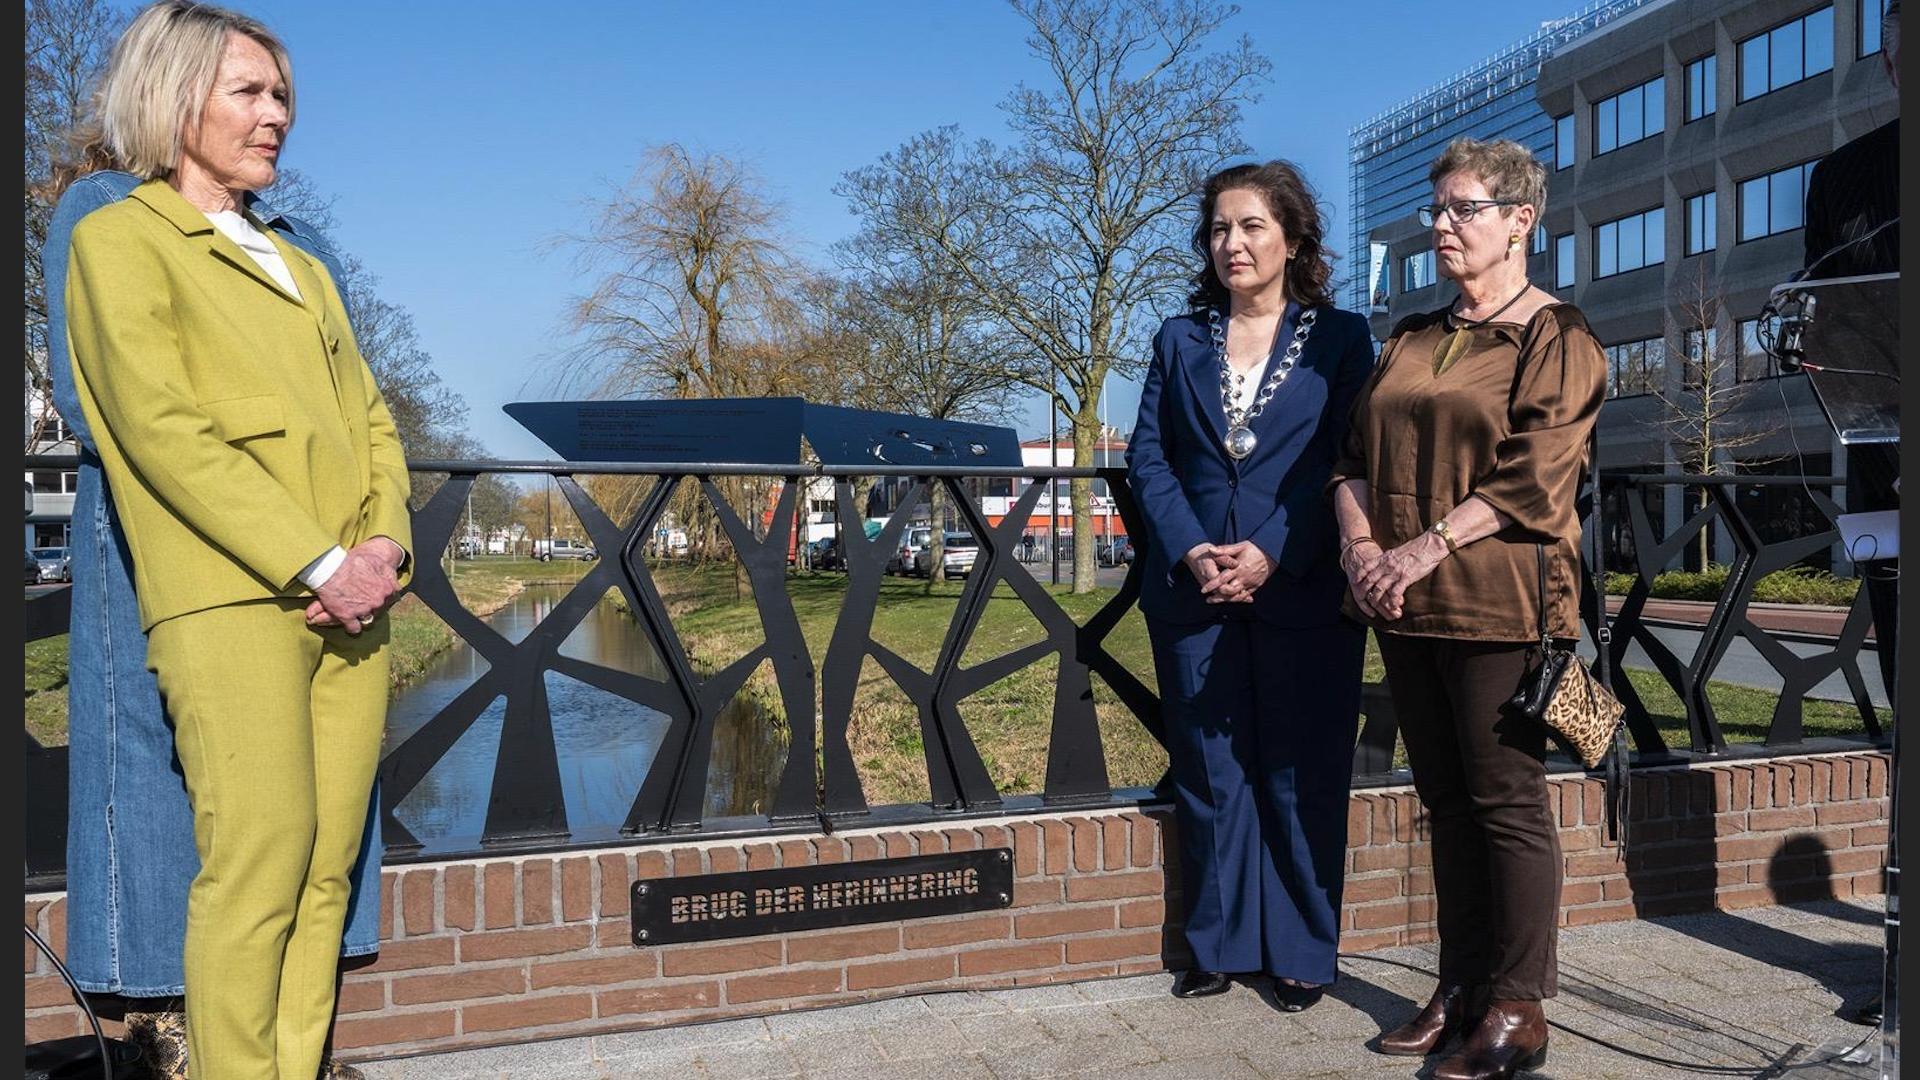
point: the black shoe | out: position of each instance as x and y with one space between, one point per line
1868 1014
1293 997
1197 983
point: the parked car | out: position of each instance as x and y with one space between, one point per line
549 550
904 558
56 563
958 551
825 554
466 548
33 568
1115 552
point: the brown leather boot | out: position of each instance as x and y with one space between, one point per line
1453 1010
1510 1039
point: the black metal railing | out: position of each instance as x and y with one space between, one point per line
526 809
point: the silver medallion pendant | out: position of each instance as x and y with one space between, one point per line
1241 440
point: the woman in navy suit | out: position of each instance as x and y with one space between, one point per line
1241 419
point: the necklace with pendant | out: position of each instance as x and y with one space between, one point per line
1240 437
1455 343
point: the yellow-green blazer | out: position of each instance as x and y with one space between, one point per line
239 428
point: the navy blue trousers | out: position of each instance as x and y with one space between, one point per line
1260 723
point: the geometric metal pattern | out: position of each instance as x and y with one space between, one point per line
526 808
1753 559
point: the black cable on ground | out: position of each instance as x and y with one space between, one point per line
1695 1066
80 997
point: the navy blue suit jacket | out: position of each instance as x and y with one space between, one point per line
1192 492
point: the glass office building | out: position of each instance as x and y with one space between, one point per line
1387 156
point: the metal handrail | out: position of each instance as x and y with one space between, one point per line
527 811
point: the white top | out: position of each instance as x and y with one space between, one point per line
241 230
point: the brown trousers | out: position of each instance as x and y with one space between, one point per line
1480 774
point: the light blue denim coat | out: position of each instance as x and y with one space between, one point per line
130 853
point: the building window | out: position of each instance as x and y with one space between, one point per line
1538 245
1702 233
1630 243
1416 271
1629 116
1872 13
1563 261
1786 54
1701 343
1563 141
1774 203
1754 362
1636 367
1701 76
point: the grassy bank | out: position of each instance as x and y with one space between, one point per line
1010 721
483 585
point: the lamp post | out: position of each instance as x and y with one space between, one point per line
1053 462
1053 449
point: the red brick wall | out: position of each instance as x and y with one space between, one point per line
501 950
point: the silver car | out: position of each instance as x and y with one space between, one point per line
56 563
957 554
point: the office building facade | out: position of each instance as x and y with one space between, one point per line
1387 156
1681 134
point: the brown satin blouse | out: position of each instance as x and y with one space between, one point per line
1509 423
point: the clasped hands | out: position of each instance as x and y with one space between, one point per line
1378 578
360 588
1229 573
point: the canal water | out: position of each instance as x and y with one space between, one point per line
605 743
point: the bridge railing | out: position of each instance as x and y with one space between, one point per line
526 807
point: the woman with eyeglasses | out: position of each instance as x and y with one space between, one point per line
1454 494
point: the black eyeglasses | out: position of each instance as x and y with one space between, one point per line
1461 211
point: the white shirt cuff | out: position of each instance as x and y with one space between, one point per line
322 568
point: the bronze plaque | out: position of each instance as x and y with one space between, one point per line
752 902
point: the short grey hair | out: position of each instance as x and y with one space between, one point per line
160 75
1510 171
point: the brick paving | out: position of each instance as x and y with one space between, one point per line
1737 992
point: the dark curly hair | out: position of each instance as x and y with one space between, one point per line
1309 273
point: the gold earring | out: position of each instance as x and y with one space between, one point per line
1513 239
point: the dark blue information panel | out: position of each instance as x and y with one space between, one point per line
759 431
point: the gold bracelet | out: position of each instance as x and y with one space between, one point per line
1349 545
1445 532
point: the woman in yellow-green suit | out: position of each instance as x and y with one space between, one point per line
262 489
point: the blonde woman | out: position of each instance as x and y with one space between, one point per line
262 490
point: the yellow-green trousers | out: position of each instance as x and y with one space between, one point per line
278 730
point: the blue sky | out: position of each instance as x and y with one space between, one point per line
459 138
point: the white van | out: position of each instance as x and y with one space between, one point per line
560 548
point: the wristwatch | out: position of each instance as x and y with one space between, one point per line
1444 532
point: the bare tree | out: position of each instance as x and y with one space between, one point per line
925 346
1699 418
1075 236
67 42
688 266
693 299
